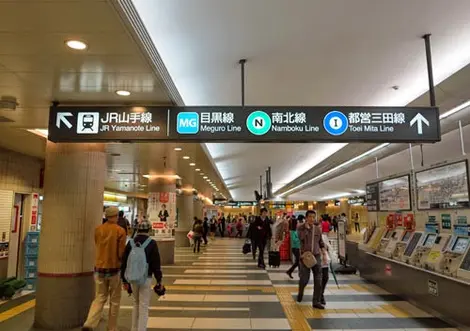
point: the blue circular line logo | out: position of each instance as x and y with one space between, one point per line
335 123
258 123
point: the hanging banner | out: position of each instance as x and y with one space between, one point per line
251 124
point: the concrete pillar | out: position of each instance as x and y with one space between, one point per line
321 208
185 205
73 207
344 207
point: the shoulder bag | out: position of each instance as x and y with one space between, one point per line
308 259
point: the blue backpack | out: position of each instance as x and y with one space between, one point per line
137 266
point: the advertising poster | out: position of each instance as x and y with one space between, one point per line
342 240
443 187
162 213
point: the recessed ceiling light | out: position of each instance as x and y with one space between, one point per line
76 44
208 180
186 157
178 149
192 164
205 177
202 174
197 169
123 93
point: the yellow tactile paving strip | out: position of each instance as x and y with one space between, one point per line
17 310
292 310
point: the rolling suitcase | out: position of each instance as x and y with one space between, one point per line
274 259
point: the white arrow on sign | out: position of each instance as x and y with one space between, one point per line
62 117
419 120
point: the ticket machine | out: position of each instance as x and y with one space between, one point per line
421 252
464 269
385 240
400 239
436 254
454 254
416 238
374 240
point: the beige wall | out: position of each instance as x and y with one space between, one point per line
18 172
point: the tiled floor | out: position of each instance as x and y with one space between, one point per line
221 289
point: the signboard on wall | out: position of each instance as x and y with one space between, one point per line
252 124
372 196
443 187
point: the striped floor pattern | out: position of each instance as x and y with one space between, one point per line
222 289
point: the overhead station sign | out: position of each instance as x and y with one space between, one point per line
251 124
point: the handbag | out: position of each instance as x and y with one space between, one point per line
308 259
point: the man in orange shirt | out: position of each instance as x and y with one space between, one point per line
110 241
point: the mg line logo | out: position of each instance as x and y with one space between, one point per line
258 123
187 123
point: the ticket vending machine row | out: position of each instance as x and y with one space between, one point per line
454 254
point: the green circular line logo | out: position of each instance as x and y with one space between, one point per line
258 123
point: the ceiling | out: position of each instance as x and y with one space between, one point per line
315 52
37 68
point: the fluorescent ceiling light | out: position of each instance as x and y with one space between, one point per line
178 149
345 164
162 176
192 164
205 177
455 110
76 44
197 169
186 157
40 132
123 93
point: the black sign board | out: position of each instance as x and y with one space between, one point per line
256 124
236 203
372 197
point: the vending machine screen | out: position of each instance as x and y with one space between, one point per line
460 245
413 243
429 241
388 234
406 236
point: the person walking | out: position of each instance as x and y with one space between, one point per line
198 230
205 228
335 224
213 227
261 233
325 267
222 225
357 225
311 243
138 280
325 224
295 245
110 242
123 222
239 227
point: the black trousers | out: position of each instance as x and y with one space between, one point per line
317 280
324 281
357 227
296 252
259 245
197 243
204 237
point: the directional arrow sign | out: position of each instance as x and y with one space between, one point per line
419 120
62 117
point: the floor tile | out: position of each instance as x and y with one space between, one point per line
270 324
222 323
177 323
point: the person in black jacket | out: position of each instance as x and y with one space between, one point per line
259 233
205 232
142 292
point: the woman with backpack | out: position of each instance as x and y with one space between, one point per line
141 260
198 230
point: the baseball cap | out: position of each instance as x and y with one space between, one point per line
144 226
111 211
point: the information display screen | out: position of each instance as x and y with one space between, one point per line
406 236
413 243
460 245
388 234
394 194
466 262
430 239
443 187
